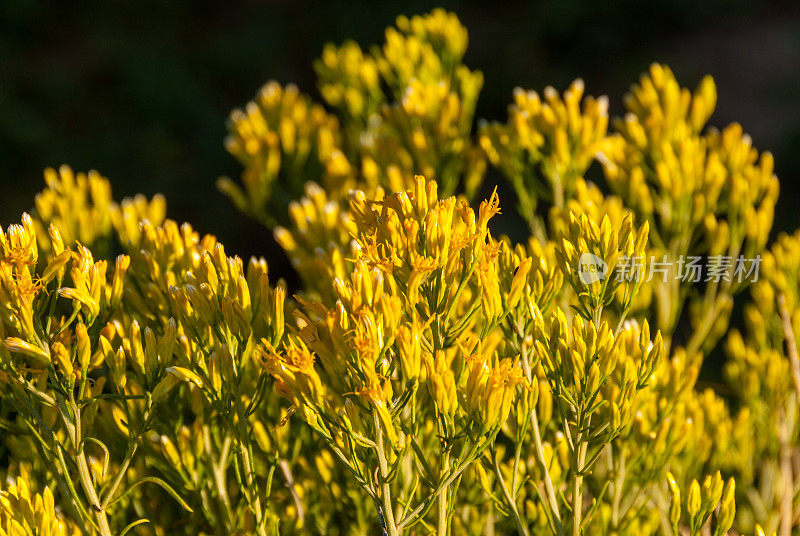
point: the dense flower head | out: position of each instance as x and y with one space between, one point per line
223 292
424 242
294 372
491 386
580 357
349 80
81 281
401 109
279 138
18 244
445 33
318 239
713 497
781 274
24 512
396 354
77 204
530 273
762 360
82 209
548 143
427 131
714 180
424 126
589 199
591 256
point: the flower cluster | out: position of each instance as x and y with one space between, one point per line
22 512
701 503
394 371
404 108
703 193
548 144
281 138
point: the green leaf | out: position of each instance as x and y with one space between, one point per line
155 480
132 525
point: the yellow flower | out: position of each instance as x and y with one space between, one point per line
77 204
491 387
547 144
349 80
318 240
90 288
22 512
282 138
409 338
294 369
378 394
81 208
441 384
39 355
18 244
599 259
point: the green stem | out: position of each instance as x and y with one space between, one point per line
791 342
251 490
577 487
443 499
577 478
83 471
699 335
597 317
91 494
219 468
509 498
548 481
133 445
539 448
248 486
120 475
423 508
619 482
386 490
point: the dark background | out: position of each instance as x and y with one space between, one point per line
141 91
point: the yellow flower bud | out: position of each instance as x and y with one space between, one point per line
693 499
56 266
410 350
170 451
712 488
57 243
519 282
136 350
63 359
41 357
84 349
185 374
727 509
116 363
441 384
675 501
163 387
117 284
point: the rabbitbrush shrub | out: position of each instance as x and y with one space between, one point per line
430 377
